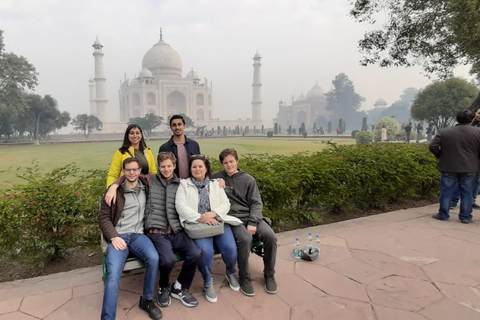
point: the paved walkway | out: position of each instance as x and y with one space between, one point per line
400 265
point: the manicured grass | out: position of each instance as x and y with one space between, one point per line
97 155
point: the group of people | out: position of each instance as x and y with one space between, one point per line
458 151
144 212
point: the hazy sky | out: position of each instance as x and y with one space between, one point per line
301 42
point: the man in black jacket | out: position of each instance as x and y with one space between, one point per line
458 151
181 146
246 204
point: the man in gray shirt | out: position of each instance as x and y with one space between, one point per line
122 226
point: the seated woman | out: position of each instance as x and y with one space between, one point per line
201 200
133 146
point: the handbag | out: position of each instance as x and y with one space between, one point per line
198 230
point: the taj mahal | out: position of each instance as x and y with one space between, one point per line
161 89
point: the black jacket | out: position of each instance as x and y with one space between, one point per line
457 149
191 146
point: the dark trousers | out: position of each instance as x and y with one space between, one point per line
166 245
244 243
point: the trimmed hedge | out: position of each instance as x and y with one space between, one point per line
54 210
364 137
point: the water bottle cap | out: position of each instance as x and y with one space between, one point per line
309 233
318 236
297 239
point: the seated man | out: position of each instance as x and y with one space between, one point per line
163 227
122 226
246 204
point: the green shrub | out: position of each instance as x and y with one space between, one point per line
392 126
354 133
364 137
54 210
270 134
49 213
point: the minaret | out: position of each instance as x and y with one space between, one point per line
91 85
100 88
257 92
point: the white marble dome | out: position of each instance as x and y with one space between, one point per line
315 92
193 75
163 59
145 73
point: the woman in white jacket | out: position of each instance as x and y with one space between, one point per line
201 200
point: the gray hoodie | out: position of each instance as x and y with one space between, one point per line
245 200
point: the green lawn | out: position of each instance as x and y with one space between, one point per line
97 155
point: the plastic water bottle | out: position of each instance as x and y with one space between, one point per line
309 247
317 242
296 249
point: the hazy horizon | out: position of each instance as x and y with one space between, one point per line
301 43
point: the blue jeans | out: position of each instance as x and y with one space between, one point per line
227 247
456 192
140 246
465 182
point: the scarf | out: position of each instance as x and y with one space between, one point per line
203 195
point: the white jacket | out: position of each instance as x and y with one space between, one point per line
186 202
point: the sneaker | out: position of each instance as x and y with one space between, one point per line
233 282
149 307
246 286
163 298
183 295
270 284
475 206
210 294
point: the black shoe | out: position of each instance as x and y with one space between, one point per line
149 307
270 284
163 298
465 221
183 295
475 206
246 286
437 216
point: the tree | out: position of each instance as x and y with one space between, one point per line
440 101
147 123
438 35
41 112
16 74
86 124
400 109
343 98
343 101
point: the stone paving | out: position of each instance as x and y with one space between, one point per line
401 265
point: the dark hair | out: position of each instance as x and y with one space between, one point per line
129 160
126 143
205 162
162 156
227 152
176 116
465 116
